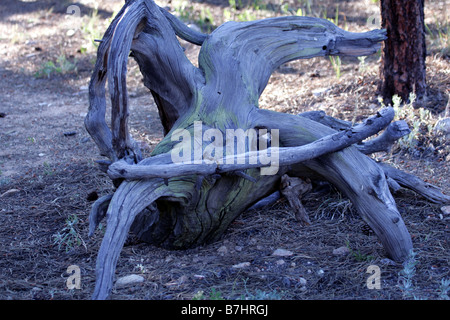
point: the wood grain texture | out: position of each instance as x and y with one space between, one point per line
183 205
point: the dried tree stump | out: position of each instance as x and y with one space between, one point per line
191 200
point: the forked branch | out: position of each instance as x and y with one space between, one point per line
286 156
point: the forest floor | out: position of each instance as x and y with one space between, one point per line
49 178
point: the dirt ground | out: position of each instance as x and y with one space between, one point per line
49 178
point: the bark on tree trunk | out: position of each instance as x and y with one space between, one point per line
403 67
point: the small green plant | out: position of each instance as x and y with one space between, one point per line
213 295
259 5
184 11
360 257
263 295
141 268
199 295
284 8
305 7
232 4
336 64
362 64
407 274
61 66
48 169
69 236
46 70
444 288
91 32
439 41
206 20
243 15
335 60
420 121
247 15
260 294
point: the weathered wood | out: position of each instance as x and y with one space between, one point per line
183 205
293 189
384 142
409 181
286 156
267 201
98 212
134 197
323 118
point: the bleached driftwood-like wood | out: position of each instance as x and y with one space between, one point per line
382 143
180 206
409 181
286 156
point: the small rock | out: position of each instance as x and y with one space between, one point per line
238 248
302 281
70 32
445 209
129 280
341 251
280 262
241 265
320 91
282 253
222 250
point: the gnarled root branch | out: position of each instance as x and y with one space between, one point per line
293 188
128 201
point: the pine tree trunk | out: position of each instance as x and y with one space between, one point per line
404 53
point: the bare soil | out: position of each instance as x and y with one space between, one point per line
49 178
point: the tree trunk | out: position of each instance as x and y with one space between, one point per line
183 203
404 53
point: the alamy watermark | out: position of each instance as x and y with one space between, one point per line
74 280
252 146
374 280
